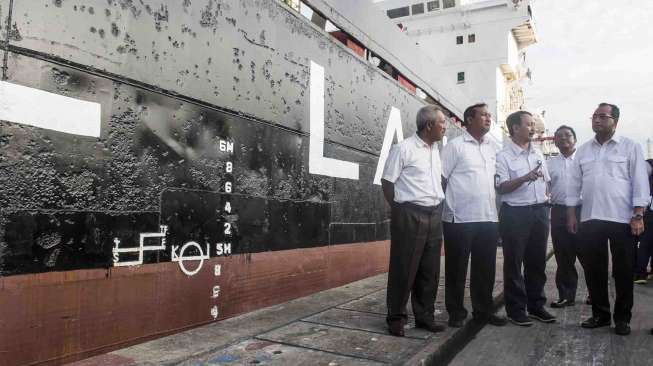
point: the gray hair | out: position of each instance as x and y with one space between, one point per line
426 114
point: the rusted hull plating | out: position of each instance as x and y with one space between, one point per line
65 316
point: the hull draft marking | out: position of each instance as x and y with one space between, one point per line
181 257
38 108
192 251
140 249
215 292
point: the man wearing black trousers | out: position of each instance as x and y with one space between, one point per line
645 247
564 242
524 222
470 219
412 185
609 173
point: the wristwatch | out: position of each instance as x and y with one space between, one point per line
637 216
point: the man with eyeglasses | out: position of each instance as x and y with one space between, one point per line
523 222
564 242
609 172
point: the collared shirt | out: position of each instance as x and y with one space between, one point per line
469 167
611 178
415 169
558 167
514 162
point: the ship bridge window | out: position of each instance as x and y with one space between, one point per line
448 4
398 12
417 8
433 5
459 39
471 38
461 78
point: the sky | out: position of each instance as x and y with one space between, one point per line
592 51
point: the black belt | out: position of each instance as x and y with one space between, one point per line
533 206
424 209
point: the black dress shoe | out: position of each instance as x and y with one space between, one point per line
542 315
594 322
396 328
497 321
521 320
562 303
431 326
622 328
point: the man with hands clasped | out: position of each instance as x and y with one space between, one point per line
564 242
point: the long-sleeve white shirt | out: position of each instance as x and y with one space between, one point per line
415 169
611 178
469 167
514 162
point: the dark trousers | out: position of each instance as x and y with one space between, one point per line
478 239
645 247
565 247
415 245
593 253
525 232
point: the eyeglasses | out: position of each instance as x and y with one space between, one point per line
601 117
563 135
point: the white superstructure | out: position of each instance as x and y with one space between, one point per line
479 47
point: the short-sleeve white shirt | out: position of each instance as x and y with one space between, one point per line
514 162
469 167
415 169
559 168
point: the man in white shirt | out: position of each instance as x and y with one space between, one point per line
609 172
524 222
645 246
470 219
412 185
564 242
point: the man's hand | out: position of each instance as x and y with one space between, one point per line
513 185
636 226
533 175
388 191
572 221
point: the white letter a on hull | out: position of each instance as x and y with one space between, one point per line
393 128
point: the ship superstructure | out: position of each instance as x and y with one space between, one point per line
480 46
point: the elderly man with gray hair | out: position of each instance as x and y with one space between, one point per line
412 186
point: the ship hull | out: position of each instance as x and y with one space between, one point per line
171 164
